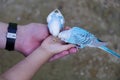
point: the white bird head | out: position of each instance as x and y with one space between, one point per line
64 35
55 22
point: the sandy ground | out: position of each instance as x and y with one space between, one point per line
100 17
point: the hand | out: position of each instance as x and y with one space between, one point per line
29 37
54 45
72 50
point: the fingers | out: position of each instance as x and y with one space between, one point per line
68 46
72 50
67 28
59 55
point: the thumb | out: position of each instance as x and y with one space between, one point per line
68 46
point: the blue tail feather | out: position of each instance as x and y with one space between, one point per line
110 51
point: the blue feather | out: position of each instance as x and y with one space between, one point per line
110 51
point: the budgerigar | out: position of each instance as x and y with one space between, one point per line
83 38
55 22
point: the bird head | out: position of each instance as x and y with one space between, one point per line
55 22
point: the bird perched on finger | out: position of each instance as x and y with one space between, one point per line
82 38
55 22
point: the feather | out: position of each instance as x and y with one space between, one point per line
55 22
110 51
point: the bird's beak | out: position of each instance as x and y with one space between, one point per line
56 11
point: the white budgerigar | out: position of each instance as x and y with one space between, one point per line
55 22
82 38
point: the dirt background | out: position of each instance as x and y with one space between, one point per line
101 17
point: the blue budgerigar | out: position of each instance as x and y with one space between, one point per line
82 38
55 22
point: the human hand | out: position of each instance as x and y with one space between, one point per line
29 37
53 45
72 50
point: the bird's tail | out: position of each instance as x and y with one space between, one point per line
110 51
